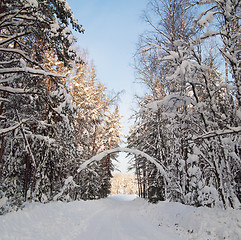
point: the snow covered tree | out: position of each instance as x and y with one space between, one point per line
147 136
123 184
91 103
199 116
96 129
31 112
227 14
111 139
155 45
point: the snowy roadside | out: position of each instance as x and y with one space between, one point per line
196 223
120 217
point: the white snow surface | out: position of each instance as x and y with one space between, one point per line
120 217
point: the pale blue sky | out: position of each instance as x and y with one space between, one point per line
111 33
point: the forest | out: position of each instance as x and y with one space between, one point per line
189 118
54 111
55 114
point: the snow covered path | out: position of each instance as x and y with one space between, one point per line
119 218
105 219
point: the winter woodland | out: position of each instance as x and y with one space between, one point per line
55 114
190 117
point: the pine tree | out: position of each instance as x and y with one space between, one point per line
30 112
96 129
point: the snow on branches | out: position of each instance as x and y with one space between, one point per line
196 108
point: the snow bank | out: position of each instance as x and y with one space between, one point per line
196 223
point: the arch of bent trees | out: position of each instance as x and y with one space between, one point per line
103 154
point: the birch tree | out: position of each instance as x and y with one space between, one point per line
203 118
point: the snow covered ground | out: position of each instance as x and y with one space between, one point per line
120 217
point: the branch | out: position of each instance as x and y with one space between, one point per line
13 37
12 90
231 130
12 14
29 70
26 140
9 129
161 168
205 36
158 30
22 53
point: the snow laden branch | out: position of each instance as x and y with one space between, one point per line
9 129
67 182
22 54
231 130
28 70
101 155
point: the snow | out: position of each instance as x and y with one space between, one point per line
197 223
69 181
174 99
208 19
22 62
192 158
119 217
3 201
137 152
31 3
54 27
4 99
123 197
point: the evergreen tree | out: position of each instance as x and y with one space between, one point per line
96 129
33 100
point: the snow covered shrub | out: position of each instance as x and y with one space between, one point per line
208 196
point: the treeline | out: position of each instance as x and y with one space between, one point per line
54 113
190 117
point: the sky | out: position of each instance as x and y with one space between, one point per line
112 29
